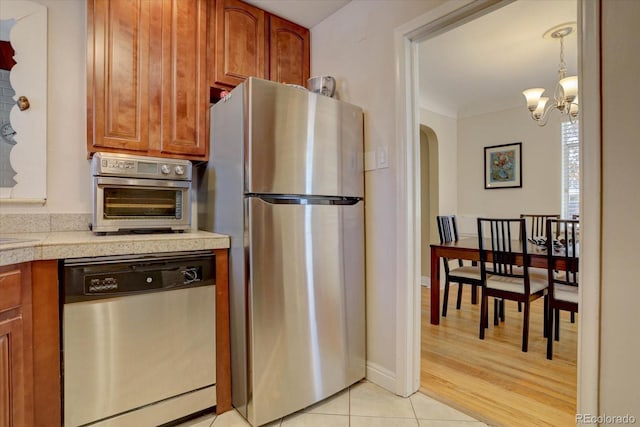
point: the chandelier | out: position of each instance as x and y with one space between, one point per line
565 95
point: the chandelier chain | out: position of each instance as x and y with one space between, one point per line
563 65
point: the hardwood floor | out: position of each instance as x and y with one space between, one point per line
492 379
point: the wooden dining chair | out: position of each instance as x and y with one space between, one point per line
537 227
505 272
562 272
454 269
537 223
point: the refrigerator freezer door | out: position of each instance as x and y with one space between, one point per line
306 298
300 142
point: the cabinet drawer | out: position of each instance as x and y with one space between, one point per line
10 289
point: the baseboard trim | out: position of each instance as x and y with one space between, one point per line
381 376
425 281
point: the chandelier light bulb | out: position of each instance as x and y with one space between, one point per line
570 88
539 111
533 96
574 108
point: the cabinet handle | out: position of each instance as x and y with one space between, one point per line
23 103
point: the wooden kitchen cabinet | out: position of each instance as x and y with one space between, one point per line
45 321
147 81
223 333
16 357
288 52
239 41
247 41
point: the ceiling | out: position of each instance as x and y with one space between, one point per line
307 13
481 66
484 65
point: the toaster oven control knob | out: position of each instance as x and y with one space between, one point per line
165 169
179 170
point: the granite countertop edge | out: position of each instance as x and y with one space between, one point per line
75 244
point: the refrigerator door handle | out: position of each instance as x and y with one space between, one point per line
306 200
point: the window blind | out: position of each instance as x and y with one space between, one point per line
570 169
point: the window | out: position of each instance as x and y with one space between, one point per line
570 169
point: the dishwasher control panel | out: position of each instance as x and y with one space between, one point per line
125 281
85 279
97 285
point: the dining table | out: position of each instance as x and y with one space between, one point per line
467 248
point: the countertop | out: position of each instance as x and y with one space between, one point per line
74 244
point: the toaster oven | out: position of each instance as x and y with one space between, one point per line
138 193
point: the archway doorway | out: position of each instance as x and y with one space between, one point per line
429 204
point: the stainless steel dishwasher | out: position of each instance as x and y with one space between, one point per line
138 338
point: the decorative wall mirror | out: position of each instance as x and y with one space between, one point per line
23 102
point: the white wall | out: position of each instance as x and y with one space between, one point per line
620 294
541 165
446 130
461 145
355 45
68 185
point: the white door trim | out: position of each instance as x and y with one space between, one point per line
591 217
407 131
456 12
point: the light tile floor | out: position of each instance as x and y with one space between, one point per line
362 405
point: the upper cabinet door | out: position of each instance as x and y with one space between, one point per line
182 77
288 52
240 43
148 87
117 74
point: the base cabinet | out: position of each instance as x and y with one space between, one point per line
29 345
16 361
12 374
46 344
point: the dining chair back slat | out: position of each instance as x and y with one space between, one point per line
503 254
448 232
562 247
568 237
538 223
447 228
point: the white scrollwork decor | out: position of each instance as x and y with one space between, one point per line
27 153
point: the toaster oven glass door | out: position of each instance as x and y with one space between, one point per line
124 203
132 202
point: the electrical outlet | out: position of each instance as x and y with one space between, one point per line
383 157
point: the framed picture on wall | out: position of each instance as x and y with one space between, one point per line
503 166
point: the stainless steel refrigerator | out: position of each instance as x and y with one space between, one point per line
285 180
